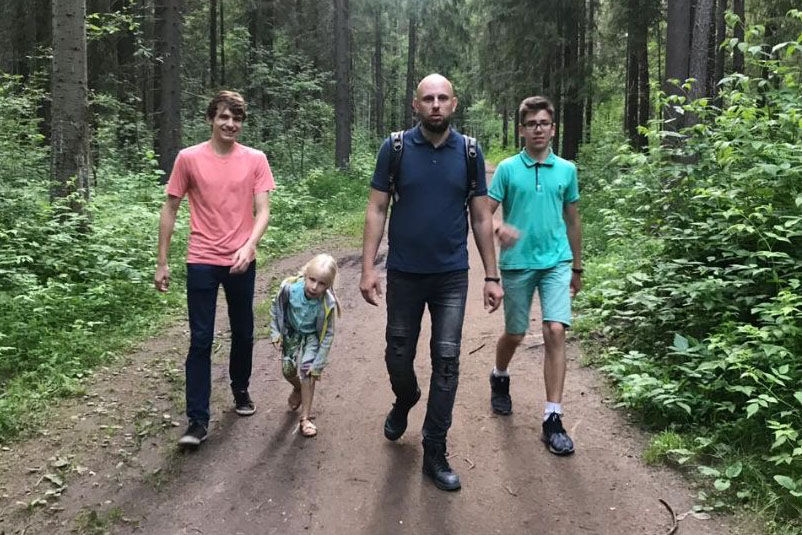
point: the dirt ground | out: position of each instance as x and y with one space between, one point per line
108 463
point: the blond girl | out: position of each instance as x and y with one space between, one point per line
302 326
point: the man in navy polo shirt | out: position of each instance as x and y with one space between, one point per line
427 264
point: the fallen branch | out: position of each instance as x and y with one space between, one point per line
674 524
471 352
512 493
470 462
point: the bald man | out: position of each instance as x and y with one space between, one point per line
427 263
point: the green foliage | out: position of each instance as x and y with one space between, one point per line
702 320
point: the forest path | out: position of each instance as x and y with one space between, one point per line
118 471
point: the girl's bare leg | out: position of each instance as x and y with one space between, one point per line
307 395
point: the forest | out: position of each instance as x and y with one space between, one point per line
683 116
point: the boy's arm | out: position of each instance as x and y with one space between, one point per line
573 225
166 227
243 256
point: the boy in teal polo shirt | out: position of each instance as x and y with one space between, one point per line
541 241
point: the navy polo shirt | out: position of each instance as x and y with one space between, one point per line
429 225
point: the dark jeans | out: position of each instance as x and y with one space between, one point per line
444 294
202 283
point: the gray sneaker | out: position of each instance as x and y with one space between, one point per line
555 437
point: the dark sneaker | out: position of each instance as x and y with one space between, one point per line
436 467
193 436
555 437
396 422
243 404
500 398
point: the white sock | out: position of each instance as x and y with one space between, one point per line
552 407
498 373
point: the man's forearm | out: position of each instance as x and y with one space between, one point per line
166 226
575 242
372 235
482 224
259 226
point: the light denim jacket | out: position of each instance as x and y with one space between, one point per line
324 324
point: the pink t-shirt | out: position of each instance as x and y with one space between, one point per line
220 191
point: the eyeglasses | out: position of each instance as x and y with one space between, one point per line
534 125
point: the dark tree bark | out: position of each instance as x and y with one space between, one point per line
70 155
557 80
378 77
572 122
633 61
505 127
222 45
167 112
721 36
678 40
644 100
589 58
737 55
699 48
343 116
213 44
411 52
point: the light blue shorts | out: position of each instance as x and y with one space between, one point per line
553 286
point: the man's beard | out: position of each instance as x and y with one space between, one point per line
438 127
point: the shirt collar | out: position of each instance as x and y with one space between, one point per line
419 139
529 162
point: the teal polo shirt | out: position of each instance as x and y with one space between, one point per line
532 196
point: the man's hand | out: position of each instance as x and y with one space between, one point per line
370 286
507 235
242 259
576 284
493 294
161 280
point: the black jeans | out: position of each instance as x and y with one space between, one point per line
203 280
445 295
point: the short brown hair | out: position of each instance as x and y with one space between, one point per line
232 100
534 105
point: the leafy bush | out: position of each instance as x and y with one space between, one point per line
703 318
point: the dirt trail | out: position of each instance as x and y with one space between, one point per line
258 476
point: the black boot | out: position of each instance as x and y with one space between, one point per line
396 422
436 466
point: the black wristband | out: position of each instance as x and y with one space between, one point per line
492 279
578 271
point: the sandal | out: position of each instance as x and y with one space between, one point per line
308 429
294 400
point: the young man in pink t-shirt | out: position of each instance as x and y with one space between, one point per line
225 183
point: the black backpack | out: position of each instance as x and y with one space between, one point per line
397 145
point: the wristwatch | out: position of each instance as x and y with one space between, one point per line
578 271
492 279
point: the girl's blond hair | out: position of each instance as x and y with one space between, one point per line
326 267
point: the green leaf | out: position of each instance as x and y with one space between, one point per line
734 470
785 481
722 484
751 409
798 396
680 342
708 471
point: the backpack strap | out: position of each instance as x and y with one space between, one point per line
397 146
470 160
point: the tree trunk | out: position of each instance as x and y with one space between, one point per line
558 94
342 76
572 119
737 55
70 158
505 127
721 36
411 51
167 112
222 45
644 101
678 40
378 78
213 44
633 64
699 48
589 55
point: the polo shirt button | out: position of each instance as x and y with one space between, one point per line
434 161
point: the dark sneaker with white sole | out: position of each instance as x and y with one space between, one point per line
555 437
500 398
243 404
193 436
